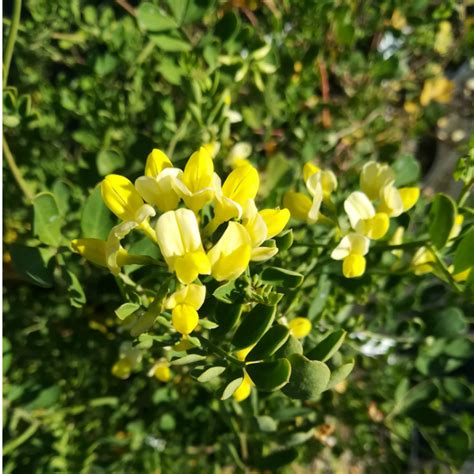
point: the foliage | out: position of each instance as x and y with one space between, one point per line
94 87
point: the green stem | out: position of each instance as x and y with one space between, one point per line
464 193
177 136
15 170
220 352
15 23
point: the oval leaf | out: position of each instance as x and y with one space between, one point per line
254 326
328 346
308 378
282 277
464 257
442 215
275 337
291 346
96 219
340 374
231 387
270 376
47 219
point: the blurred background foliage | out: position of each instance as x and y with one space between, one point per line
94 86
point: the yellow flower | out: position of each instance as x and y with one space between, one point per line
212 148
462 276
300 327
398 21
397 239
275 220
121 197
363 218
301 207
262 226
422 261
391 201
157 187
161 370
298 204
351 251
444 38
375 176
122 369
240 187
180 244
238 154
314 177
244 389
457 227
196 184
243 353
184 304
438 89
231 255
409 197
95 250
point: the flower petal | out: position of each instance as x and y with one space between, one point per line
156 162
357 207
120 196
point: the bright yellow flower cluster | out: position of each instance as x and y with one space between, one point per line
369 212
184 241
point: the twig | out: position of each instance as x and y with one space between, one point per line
326 117
126 6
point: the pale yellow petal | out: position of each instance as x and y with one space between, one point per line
298 204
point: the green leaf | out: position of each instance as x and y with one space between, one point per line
339 374
62 192
270 376
322 293
274 338
419 395
188 359
464 256
282 277
125 310
328 346
254 325
187 11
278 459
227 293
227 316
449 322
108 161
265 423
170 44
285 240
291 346
150 18
210 374
308 378
30 263
77 297
47 219
441 219
456 388
407 170
96 219
231 387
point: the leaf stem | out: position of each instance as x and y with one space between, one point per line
14 25
16 171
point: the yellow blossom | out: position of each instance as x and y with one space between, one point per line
422 261
244 390
157 187
231 255
351 251
300 327
196 184
180 244
438 89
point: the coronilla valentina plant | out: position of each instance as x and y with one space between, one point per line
213 302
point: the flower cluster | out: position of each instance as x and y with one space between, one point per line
369 212
192 206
